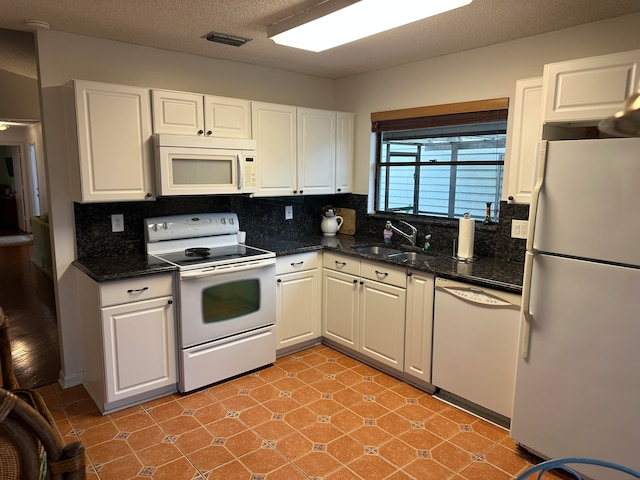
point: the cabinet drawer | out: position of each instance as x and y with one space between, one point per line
296 263
341 263
384 273
134 289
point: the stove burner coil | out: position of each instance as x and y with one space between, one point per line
197 252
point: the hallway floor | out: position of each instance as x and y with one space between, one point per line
316 414
27 298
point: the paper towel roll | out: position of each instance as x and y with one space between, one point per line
466 232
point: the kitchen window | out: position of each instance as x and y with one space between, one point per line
443 160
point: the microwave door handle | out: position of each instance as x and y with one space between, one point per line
239 170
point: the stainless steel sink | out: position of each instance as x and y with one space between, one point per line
409 257
376 250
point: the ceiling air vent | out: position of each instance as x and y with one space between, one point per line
226 39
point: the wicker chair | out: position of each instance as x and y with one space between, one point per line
30 446
8 380
562 465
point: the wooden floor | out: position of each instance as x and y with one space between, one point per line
27 297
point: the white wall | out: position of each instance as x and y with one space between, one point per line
63 57
488 72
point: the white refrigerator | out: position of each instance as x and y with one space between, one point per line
577 391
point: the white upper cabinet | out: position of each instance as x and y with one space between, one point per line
589 89
183 113
316 151
302 151
344 152
526 133
274 128
114 157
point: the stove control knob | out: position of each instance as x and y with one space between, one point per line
165 226
223 221
231 221
155 227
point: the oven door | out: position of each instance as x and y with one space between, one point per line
221 301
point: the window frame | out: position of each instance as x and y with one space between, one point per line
461 113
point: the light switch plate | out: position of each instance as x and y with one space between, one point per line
519 228
117 222
288 212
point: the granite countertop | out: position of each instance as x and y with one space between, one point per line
103 269
484 271
488 272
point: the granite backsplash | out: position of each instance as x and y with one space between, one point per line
264 218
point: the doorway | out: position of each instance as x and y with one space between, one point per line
15 210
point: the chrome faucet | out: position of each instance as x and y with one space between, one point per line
414 231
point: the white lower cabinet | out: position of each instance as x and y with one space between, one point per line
364 307
298 304
419 325
129 339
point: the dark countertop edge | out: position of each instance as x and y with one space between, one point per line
120 268
487 272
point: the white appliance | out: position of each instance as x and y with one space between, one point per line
577 388
475 341
191 165
226 296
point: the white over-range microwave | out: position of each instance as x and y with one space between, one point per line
190 165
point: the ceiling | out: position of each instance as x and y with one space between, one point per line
179 25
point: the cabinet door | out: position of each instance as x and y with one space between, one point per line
344 152
419 326
114 142
589 89
526 133
382 310
274 128
227 117
316 151
298 307
178 113
340 308
139 347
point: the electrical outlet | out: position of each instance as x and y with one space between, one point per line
117 222
288 212
519 228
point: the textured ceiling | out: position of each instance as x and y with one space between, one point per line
179 25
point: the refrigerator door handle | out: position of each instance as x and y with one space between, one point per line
526 305
541 161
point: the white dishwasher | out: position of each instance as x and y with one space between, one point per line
475 343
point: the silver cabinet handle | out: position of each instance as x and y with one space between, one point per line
381 274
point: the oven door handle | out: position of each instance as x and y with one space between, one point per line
222 269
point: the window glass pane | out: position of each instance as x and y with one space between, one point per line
401 189
443 171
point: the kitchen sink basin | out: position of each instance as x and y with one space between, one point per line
409 257
376 250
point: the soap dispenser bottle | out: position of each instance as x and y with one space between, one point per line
427 245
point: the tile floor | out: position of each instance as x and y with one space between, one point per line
315 414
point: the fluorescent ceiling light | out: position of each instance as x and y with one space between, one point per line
336 22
